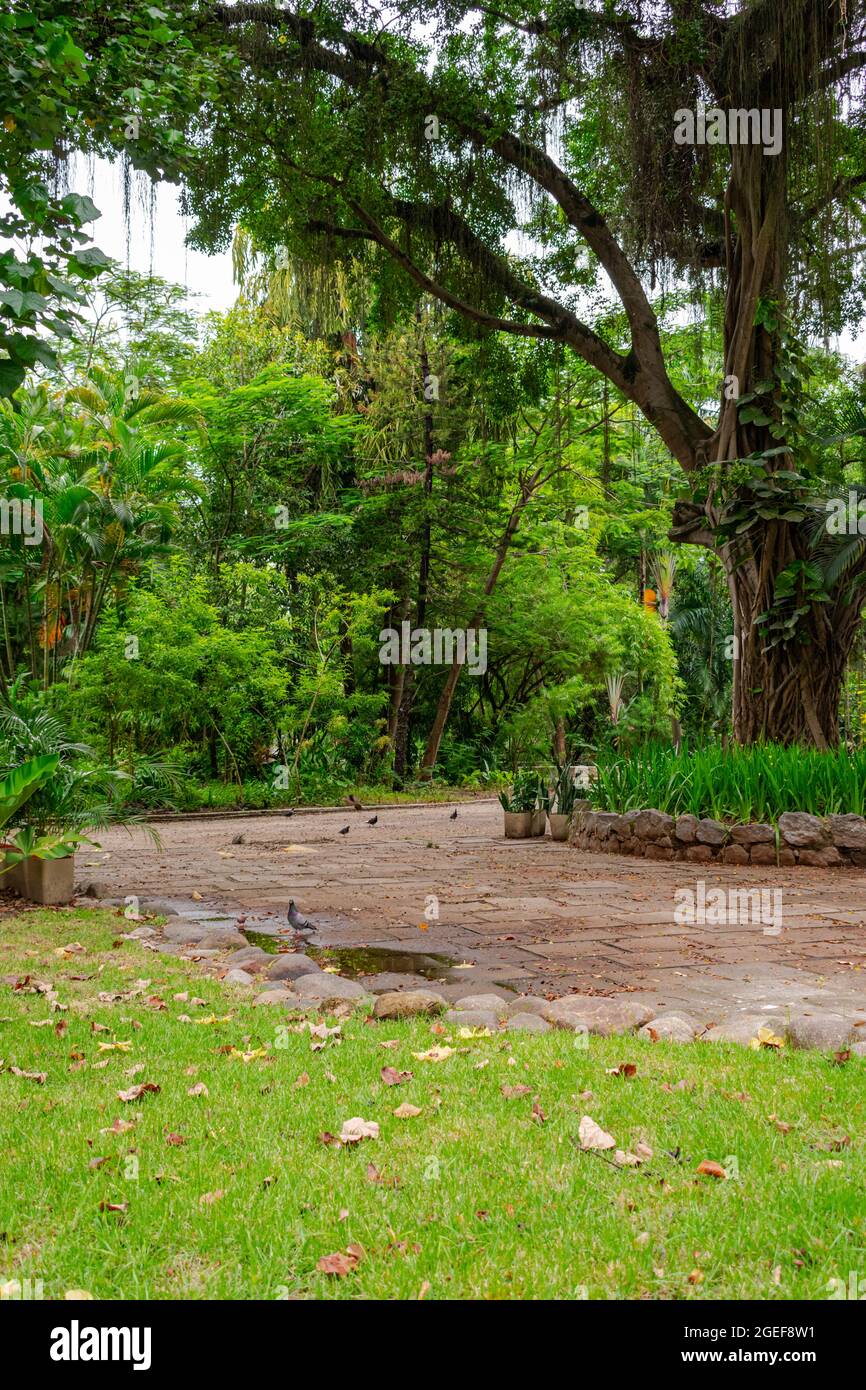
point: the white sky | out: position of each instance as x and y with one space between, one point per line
165 253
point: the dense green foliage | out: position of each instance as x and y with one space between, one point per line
426 407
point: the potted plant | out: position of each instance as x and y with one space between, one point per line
519 806
66 801
17 787
563 799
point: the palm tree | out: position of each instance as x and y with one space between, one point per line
109 484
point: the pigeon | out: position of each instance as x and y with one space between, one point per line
289 812
239 840
345 830
354 803
372 820
296 920
453 815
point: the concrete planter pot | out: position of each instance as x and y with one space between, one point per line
518 824
538 823
47 881
559 826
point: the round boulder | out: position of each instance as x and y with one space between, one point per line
410 1003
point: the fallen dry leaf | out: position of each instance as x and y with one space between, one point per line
356 1129
592 1136
207 1199
40 1077
406 1111
436 1054
767 1038
624 1069
711 1169
512 1092
199 1089
135 1092
392 1077
119 1127
339 1263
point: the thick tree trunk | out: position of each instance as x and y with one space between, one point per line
788 692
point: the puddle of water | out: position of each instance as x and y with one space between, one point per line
274 945
372 960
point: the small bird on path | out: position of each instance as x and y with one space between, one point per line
354 803
372 820
345 830
453 815
296 920
239 840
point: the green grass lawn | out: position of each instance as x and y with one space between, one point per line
232 1192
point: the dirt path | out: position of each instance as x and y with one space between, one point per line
534 913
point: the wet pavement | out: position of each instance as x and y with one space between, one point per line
521 914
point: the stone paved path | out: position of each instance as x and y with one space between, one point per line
533 915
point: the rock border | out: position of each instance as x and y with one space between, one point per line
294 983
799 838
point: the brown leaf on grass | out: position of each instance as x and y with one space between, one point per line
424 1289
392 1077
592 1136
832 1145
176 1139
406 1111
136 1092
97 1027
207 1199
61 1027
711 1169
98 1162
356 1129
391 1042
624 1069
537 1113
121 1207
338 1264
780 1125
840 1058
326 1137
77 1296
199 1089
40 1077
513 1092
119 1127
622 1159
381 1179
696 1276
303 1080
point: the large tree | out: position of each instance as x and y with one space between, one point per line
511 161
435 145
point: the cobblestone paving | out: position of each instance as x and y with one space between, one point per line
532 915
